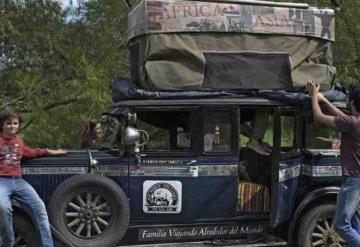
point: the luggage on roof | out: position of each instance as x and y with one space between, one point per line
198 45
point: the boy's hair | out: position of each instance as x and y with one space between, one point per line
8 115
354 96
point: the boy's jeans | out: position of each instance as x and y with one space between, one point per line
347 217
24 194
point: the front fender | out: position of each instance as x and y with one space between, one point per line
309 199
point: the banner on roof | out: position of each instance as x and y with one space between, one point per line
155 16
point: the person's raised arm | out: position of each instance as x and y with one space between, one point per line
318 114
334 111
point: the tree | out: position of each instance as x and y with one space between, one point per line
58 73
346 52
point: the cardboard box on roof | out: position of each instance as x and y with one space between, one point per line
198 45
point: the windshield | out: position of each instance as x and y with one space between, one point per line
112 129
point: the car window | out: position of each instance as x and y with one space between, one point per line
287 129
263 129
168 130
217 131
319 136
111 128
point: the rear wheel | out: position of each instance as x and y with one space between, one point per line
317 230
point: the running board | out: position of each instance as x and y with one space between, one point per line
243 243
235 243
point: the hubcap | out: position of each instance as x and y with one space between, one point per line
88 215
324 234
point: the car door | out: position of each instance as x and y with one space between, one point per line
287 159
322 157
217 183
160 183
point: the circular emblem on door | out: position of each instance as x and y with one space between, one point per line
161 197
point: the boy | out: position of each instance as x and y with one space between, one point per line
12 186
347 217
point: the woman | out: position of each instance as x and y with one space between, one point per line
92 135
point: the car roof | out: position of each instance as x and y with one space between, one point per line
213 101
121 108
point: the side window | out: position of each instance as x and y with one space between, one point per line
217 131
258 124
288 124
168 130
319 136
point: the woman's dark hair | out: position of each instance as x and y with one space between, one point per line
354 96
89 134
8 115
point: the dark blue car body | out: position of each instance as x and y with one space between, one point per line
195 194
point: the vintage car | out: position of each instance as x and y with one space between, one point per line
177 168
223 191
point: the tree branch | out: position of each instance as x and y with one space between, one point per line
11 102
55 104
61 103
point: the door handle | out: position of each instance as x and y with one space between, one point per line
191 162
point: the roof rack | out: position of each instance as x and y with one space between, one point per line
263 3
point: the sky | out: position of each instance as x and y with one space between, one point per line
71 3
72 16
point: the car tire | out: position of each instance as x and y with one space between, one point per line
25 234
316 228
90 211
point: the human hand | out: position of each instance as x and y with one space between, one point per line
336 144
312 88
56 152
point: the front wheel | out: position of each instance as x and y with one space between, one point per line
25 233
90 211
317 230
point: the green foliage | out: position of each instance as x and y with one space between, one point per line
57 72
346 52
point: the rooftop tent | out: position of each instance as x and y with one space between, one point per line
213 45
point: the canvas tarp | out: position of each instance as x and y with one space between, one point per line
175 46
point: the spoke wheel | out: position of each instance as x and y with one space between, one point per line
90 211
325 235
88 214
316 228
